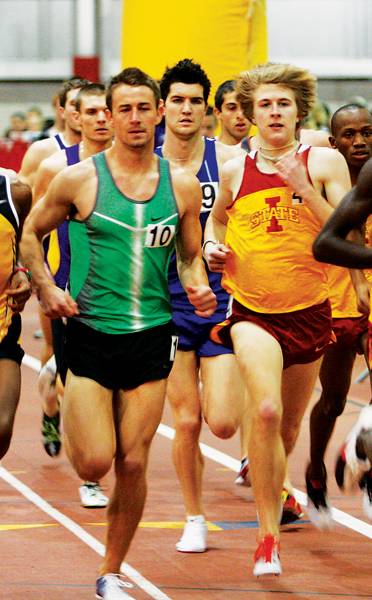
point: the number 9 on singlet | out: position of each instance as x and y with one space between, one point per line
158 236
209 191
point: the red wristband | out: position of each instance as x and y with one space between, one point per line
18 269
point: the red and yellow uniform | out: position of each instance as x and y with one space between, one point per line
272 275
271 232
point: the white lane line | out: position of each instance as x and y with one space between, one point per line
338 516
229 462
80 533
31 362
69 524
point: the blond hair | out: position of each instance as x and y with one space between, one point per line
299 80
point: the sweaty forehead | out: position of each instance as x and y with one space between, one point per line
273 91
352 119
189 90
88 102
132 94
230 97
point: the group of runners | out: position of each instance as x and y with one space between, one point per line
191 263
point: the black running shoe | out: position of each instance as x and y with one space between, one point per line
318 507
291 509
51 434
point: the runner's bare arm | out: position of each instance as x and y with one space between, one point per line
331 244
45 216
190 264
215 251
46 172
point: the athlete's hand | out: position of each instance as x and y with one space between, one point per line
19 291
203 299
292 171
56 302
216 256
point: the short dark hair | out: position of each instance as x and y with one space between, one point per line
132 76
227 86
185 71
91 89
70 84
345 108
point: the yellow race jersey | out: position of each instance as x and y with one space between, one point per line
342 294
270 231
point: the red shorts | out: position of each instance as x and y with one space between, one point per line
303 334
349 331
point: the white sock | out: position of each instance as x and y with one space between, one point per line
196 519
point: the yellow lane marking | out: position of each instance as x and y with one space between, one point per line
12 527
165 525
143 524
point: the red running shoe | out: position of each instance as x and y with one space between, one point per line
266 557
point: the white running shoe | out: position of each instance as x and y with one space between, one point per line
92 496
349 467
266 557
194 537
111 587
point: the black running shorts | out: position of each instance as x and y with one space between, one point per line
58 333
122 361
10 345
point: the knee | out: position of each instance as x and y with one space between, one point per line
268 415
133 466
91 467
332 405
222 426
188 425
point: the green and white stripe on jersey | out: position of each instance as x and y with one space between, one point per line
120 256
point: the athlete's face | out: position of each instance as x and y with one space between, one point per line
185 109
353 137
135 115
234 125
208 125
69 113
275 114
94 119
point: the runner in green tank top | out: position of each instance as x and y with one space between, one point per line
128 208
129 242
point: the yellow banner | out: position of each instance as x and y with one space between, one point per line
224 36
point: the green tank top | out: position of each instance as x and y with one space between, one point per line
120 256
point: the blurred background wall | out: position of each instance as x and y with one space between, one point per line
40 38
